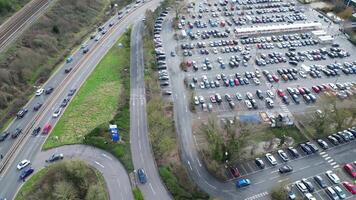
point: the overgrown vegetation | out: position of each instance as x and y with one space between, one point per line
65 180
137 194
102 100
9 7
336 115
161 125
45 44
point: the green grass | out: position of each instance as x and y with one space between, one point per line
137 194
270 133
84 182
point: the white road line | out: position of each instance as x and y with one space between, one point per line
210 184
304 167
319 163
199 162
106 156
259 182
152 188
190 166
333 163
321 153
325 155
327 158
99 164
331 160
336 166
274 172
274 177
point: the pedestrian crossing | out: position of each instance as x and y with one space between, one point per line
285 109
257 196
329 160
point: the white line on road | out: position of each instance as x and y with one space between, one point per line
331 160
199 162
325 155
259 182
304 167
274 172
99 164
195 140
333 163
274 177
106 156
210 185
190 166
327 158
336 166
321 153
319 163
286 179
152 188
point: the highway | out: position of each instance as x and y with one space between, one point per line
18 22
13 150
141 151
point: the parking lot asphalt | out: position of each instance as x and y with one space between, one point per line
206 46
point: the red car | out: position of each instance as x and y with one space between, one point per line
349 168
280 93
212 99
235 172
237 82
316 89
350 187
275 78
301 91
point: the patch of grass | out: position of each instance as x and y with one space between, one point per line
65 180
102 100
281 132
137 194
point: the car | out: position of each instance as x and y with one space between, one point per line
69 59
238 96
17 132
333 140
23 164
37 106
292 151
67 70
283 155
340 192
308 184
142 176
320 181
55 157
234 171
309 196
312 147
270 94
36 131
57 112
26 173
271 159
248 104
39 92
65 102
306 148
243 182
71 92
291 195
350 187
332 176
259 94
301 187
322 144
4 135
21 113
332 194
285 169
350 169
259 162
280 93
49 90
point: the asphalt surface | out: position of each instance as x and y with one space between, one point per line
82 66
142 154
262 180
116 178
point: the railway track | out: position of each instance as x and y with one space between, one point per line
16 23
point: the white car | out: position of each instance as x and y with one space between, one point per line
270 94
39 92
256 81
309 196
57 113
196 100
271 159
332 176
248 104
301 187
23 164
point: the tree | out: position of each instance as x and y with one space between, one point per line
55 29
65 191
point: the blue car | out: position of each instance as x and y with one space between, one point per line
141 176
69 59
243 183
26 173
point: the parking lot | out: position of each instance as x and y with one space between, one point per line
225 58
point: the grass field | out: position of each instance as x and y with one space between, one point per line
103 99
137 194
65 180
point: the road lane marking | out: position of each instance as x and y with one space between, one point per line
304 167
210 184
324 155
190 166
152 188
274 177
319 163
336 166
286 179
333 163
274 172
99 164
259 182
331 160
321 153
106 156
327 158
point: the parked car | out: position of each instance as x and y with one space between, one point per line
293 152
350 169
332 176
36 131
350 187
301 187
243 183
259 162
285 169
308 184
234 171
4 135
322 144
271 159
26 173
340 192
23 164
320 181
306 148
57 112
55 157
283 155
39 91
21 113
332 194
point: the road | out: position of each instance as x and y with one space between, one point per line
113 171
142 154
18 22
83 64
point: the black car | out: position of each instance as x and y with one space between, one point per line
333 140
64 102
308 184
55 157
71 92
259 162
4 136
306 148
320 181
21 113
49 90
36 131
37 106
17 132
26 173
344 136
67 70
293 152
339 139
85 50
322 144
285 169
312 147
